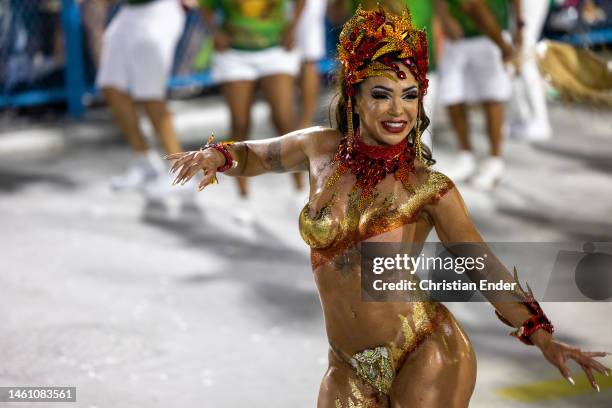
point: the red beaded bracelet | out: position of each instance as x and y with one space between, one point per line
221 148
229 160
537 321
533 324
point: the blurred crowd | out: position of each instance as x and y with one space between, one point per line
482 52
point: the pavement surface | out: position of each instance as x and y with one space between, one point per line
210 302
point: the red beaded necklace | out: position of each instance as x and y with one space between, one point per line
371 164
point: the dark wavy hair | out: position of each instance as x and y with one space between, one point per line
340 121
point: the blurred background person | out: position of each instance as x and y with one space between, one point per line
529 96
254 45
472 71
310 37
136 61
95 17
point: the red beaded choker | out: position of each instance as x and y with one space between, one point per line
371 164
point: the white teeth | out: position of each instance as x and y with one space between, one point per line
394 124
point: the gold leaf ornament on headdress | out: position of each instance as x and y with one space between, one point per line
380 36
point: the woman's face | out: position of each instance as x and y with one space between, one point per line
387 109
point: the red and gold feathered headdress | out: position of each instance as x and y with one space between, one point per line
371 44
371 40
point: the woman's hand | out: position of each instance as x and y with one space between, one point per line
517 39
190 163
558 353
512 58
288 38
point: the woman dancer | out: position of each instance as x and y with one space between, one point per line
370 181
136 61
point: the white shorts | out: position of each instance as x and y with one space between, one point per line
310 32
138 48
471 70
238 65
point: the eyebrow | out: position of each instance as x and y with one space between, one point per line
384 88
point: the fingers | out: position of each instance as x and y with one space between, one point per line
175 156
588 364
585 359
589 374
183 175
209 178
191 171
183 160
189 164
595 353
179 162
565 372
600 367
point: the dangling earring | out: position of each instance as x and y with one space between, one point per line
349 113
417 138
419 150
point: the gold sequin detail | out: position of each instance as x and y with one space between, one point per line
375 368
424 316
363 218
380 219
322 229
335 236
397 352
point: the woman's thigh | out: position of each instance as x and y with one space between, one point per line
341 388
441 372
279 93
239 97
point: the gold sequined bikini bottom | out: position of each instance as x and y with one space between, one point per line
378 366
373 366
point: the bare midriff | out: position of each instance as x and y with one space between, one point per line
354 325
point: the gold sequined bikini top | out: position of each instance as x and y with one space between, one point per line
328 235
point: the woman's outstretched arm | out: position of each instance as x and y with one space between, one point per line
286 153
454 226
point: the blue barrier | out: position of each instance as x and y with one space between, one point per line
74 72
596 36
27 73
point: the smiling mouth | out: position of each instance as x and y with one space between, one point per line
394 126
